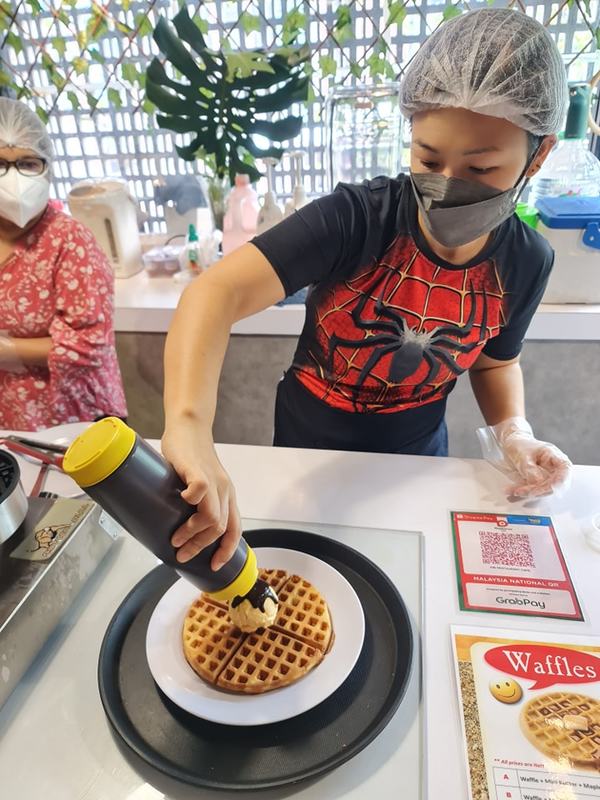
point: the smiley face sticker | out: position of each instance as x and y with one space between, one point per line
506 691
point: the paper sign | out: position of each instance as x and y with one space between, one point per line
512 564
530 713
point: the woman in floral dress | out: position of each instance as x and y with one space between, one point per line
58 361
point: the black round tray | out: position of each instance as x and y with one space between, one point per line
227 757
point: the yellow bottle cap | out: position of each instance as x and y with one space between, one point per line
98 451
244 581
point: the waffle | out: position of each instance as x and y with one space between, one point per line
209 638
274 577
553 723
303 613
269 658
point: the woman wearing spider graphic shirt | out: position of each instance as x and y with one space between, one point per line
415 280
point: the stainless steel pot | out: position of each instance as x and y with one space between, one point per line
13 500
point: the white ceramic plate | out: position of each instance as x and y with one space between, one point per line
164 650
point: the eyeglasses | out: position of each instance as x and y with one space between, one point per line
30 166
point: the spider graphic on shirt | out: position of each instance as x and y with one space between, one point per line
401 341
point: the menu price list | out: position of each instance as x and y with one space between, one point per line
526 784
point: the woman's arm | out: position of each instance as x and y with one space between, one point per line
241 284
498 388
305 248
29 352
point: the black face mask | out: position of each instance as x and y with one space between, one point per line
457 212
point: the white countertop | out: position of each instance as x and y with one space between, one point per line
54 739
145 305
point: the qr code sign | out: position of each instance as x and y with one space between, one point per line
508 549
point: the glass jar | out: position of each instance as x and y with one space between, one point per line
364 133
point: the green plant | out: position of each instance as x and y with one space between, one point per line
67 72
75 43
224 98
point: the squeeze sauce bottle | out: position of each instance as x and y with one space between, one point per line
142 492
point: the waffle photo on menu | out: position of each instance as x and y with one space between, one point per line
530 714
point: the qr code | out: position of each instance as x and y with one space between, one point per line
508 549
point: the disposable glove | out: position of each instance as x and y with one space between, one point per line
535 468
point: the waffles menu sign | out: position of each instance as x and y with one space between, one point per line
545 666
530 714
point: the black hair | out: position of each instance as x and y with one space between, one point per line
533 144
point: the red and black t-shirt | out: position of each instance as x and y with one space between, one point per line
389 325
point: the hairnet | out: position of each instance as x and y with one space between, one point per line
21 127
493 61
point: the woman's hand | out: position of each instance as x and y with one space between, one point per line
541 467
209 488
9 358
16 354
536 468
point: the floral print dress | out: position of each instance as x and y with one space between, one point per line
58 283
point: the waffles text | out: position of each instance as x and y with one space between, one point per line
545 665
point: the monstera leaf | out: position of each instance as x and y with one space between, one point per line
223 98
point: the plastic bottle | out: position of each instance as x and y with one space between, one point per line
298 198
571 169
239 224
270 213
138 488
189 254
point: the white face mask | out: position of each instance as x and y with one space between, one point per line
22 197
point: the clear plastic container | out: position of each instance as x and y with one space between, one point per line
162 260
571 170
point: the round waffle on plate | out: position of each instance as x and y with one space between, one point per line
270 658
183 684
165 714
